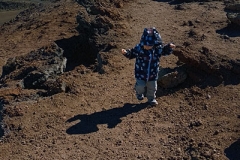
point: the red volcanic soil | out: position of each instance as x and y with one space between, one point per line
97 116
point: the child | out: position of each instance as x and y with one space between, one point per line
147 54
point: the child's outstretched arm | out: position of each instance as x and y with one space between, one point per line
168 49
129 53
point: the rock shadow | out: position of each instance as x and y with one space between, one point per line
233 151
231 30
111 117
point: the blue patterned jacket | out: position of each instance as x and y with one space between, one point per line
147 61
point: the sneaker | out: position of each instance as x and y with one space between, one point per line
153 102
139 97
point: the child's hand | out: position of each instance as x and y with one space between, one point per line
124 51
171 45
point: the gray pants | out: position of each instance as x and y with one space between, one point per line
151 88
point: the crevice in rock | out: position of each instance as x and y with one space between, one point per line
78 50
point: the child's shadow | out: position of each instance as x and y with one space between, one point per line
88 123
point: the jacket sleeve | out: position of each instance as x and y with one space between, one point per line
167 50
132 53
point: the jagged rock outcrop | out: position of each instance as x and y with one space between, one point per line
203 66
39 69
169 78
234 18
234 5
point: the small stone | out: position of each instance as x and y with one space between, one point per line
216 132
209 96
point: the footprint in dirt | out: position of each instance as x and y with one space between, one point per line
112 117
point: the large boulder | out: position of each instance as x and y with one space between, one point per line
169 78
204 66
39 69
